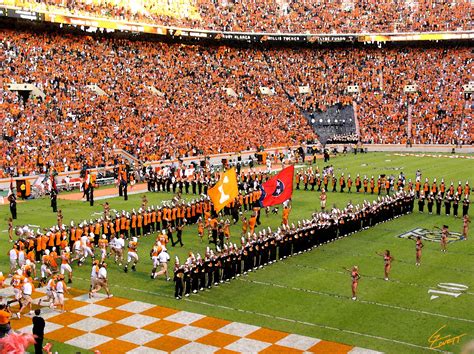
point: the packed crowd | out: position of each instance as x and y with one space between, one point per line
190 113
341 16
439 115
194 115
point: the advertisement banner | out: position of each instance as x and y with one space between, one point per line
249 37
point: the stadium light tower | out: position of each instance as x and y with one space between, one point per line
354 90
409 89
468 90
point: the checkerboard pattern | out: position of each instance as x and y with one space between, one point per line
119 325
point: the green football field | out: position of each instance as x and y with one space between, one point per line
309 294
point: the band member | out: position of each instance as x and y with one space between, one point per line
298 180
430 203
421 202
355 276
387 258
342 183
439 201
465 206
455 206
178 280
465 226
447 203
419 246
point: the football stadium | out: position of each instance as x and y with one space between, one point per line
195 176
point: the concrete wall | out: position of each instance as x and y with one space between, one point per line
216 159
212 159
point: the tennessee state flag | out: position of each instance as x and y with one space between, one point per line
279 188
225 190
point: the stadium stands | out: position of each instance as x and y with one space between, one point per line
339 16
168 100
74 125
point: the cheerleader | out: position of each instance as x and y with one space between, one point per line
387 258
419 246
444 238
465 226
355 276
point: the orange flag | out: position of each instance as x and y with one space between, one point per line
225 190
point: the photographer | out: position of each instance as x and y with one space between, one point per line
5 315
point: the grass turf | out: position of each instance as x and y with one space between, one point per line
310 294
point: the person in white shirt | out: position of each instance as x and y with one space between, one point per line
112 245
21 258
87 247
13 254
26 300
94 274
77 249
45 269
119 246
61 288
66 263
50 292
269 164
102 281
163 258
